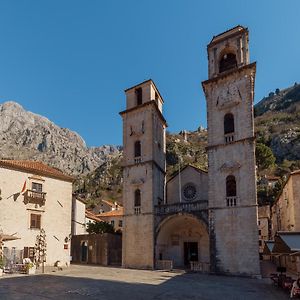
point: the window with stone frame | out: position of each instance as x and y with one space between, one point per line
137 201
137 149
139 96
231 190
229 127
228 123
37 187
28 252
35 221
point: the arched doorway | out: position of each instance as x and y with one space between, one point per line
182 238
84 252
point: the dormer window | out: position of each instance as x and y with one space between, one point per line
139 96
227 62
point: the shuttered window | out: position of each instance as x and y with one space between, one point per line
35 221
28 252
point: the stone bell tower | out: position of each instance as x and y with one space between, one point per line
143 172
229 95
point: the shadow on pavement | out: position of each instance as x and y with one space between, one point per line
183 287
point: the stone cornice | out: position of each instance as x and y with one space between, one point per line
251 139
151 102
229 73
144 163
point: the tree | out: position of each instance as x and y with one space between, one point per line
264 156
99 227
277 91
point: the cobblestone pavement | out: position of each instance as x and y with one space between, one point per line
94 282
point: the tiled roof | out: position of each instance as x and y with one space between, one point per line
296 172
110 203
92 216
183 168
272 177
35 167
113 213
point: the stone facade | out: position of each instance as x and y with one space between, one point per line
285 210
30 189
232 199
204 218
143 173
264 226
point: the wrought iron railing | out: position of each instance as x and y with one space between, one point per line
181 207
35 197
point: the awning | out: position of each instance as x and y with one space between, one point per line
286 243
268 247
7 237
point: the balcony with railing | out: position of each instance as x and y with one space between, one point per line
229 138
138 160
231 201
35 197
181 207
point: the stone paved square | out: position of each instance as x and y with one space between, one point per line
94 282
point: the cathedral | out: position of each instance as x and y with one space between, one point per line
198 219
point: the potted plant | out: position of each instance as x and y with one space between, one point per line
30 268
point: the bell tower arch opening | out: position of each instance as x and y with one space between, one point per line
227 62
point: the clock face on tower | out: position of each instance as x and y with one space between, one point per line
229 94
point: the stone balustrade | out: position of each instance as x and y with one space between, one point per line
181 207
198 266
164 265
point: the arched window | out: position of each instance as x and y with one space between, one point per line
137 202
139 96
230 186
228 123
137 149
137 198
227 62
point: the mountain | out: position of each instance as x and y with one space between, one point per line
25 135
277 123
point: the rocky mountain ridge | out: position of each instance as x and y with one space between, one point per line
25 135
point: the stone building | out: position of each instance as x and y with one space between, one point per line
78 225
35 196
264 226
113 217
285 210
201 218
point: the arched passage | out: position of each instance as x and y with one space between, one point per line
182 238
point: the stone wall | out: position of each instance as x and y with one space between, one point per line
103 249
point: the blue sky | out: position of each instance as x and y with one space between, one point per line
71 60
